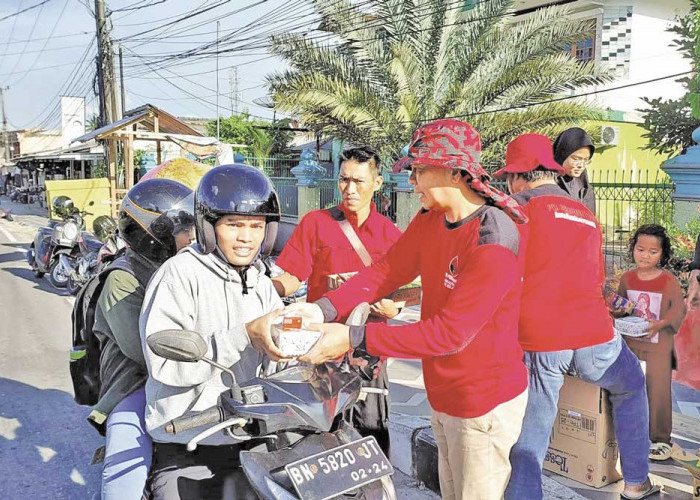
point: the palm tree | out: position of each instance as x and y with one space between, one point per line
382 67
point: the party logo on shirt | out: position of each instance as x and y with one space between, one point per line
451 274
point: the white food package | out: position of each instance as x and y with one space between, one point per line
632 326
295 342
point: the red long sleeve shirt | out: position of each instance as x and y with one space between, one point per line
467 335
562 304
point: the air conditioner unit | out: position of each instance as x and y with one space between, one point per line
609 136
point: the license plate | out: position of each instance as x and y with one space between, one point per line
337 471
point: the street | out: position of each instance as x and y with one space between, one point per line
46 444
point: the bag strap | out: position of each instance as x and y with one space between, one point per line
354 240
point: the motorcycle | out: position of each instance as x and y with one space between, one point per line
96 251
330 459
55 247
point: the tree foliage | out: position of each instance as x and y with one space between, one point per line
670 122
260 142
377 76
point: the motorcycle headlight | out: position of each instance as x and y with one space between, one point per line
70 230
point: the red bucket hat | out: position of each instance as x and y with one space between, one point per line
527 152
451 143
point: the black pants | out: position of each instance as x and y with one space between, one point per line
371 416
210 472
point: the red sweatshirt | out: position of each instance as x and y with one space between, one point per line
562 304
467 336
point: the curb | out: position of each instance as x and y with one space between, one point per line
414 452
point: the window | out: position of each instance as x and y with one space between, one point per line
583 51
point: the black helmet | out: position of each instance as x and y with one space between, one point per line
235 190
103 227
152 212
63 205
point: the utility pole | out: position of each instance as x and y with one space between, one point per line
105 67
121 78
236 96
108 97
217 80
5 139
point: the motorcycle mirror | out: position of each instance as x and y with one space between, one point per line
178 345
91 203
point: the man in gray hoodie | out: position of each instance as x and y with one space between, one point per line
216 288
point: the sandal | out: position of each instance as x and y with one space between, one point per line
653 489
660 451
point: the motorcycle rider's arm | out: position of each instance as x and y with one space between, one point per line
120 303
170 305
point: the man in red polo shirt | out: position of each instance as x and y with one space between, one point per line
564 324
318 247
464 245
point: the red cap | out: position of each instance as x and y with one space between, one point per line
527 152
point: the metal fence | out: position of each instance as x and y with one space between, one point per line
626 201
274 167
286 188
384 199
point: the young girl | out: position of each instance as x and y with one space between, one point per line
659 300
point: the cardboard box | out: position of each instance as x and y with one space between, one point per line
582 444
407 295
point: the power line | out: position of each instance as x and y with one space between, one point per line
36 21
183 18
81 33
12 31
36 59
135 6
25 10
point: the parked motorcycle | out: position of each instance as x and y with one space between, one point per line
329 459
94 250
55 247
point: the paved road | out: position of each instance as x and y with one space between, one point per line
45 443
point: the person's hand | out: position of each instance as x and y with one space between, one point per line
260 335
310 312
334 342
692 301
385 308
654 327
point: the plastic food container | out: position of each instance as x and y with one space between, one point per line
294 341
632 326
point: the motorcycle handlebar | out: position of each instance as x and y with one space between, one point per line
213 415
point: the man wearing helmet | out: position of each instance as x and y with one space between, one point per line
155 219
464 244
318 247
216 288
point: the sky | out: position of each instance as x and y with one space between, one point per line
49 51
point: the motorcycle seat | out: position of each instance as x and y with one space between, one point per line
91 242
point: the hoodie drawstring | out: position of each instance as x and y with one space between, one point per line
242 273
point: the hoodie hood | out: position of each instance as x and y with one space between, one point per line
226 271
